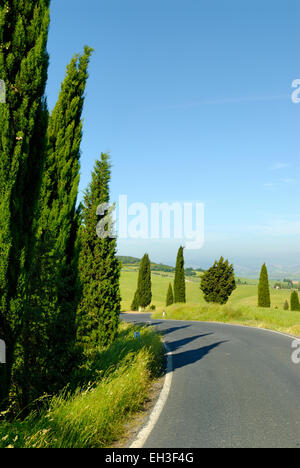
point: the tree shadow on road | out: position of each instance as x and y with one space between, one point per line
173 329
187 358
173 345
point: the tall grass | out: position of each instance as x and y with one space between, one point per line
273 319
94 416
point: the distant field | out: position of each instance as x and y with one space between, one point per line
244 295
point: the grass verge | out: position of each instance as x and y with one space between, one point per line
96 415
272 319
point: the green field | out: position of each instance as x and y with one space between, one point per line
240 309
244 295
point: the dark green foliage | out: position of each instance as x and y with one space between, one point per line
170 297
23 122
143 294
179 280
295 304
99 310
264 299
218 282
135 302
144 283
51 354
286 305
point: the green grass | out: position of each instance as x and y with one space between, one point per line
273 319
95 416
245 295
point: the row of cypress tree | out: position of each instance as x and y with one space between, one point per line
59 282
177 293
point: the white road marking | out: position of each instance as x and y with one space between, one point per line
156 412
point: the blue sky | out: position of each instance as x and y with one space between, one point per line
193 100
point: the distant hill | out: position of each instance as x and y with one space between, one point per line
154 266
129 260
133 261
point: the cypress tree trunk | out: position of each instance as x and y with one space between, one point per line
170 297
23 123
98 314
179 281
264 299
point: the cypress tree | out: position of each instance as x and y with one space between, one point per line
286 305
23 122
295 304
98 316
179 281
135 302
144 283
264 299
218 282
54 278
170 297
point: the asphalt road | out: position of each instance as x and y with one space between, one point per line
232 387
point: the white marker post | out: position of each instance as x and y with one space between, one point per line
2 352
2 92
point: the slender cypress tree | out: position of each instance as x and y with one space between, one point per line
170 297
179 281
218 282
135 302
54 279
286 305
98 315
143 295
264 298
295 304
144 282
23 122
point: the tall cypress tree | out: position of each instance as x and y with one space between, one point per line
55 274
135 302
144 283
179 281
98 315
170 297
264 298
143 295
23 122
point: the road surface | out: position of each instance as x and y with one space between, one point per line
232 387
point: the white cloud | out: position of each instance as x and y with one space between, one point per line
279 165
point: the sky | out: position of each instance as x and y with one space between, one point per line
192 98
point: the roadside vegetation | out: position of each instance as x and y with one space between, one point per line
115 383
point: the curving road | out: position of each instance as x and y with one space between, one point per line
232 387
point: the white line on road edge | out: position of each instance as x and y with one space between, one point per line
156 412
